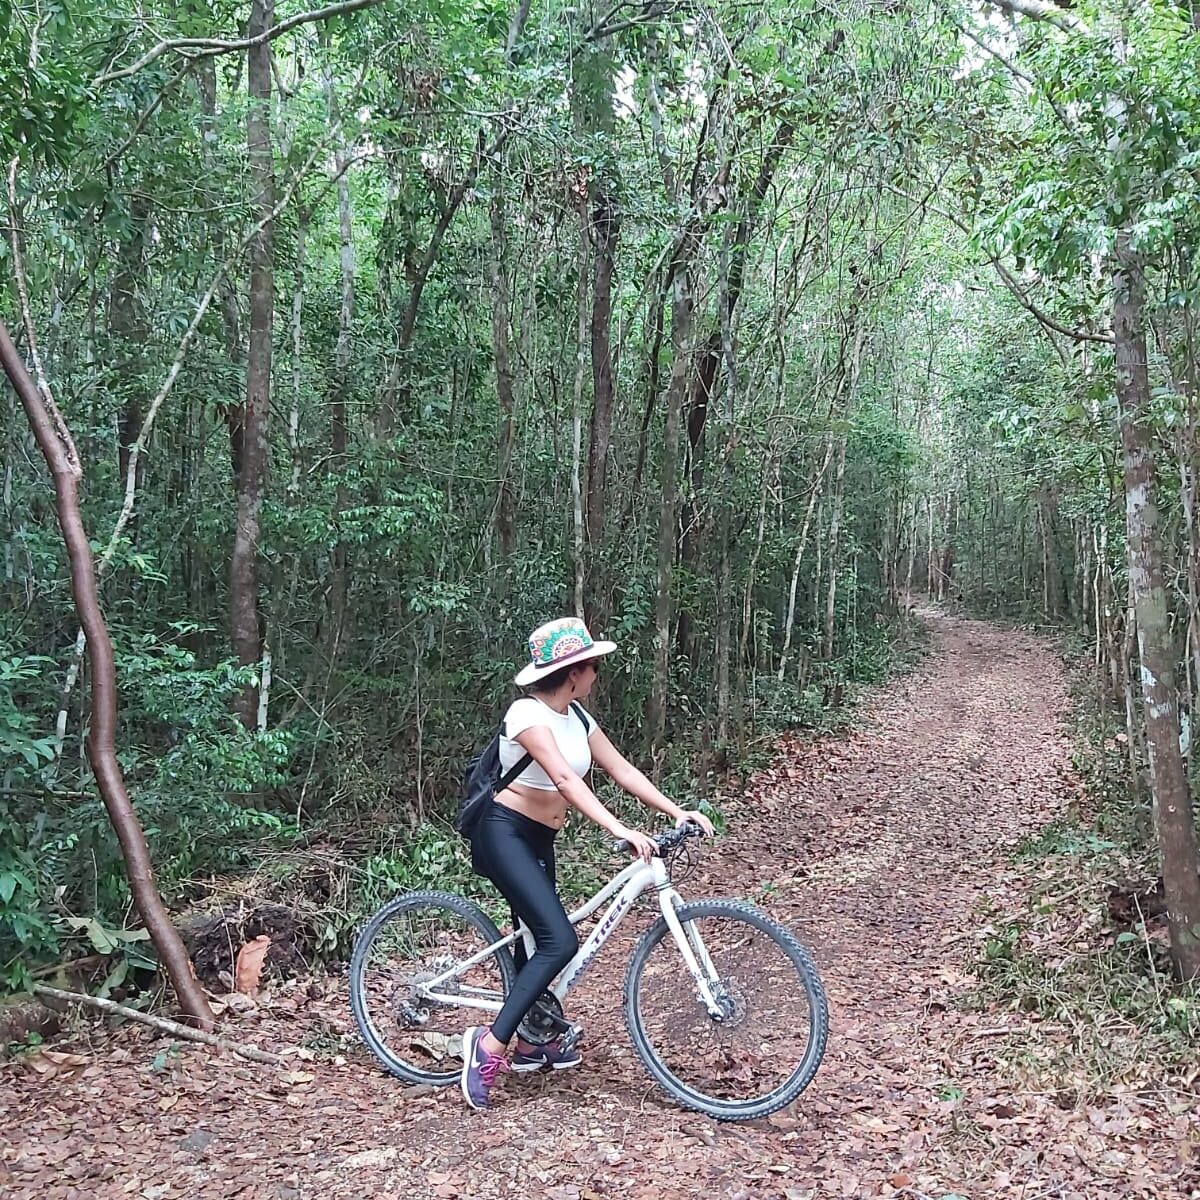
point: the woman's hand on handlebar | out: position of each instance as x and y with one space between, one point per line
640 845
693 817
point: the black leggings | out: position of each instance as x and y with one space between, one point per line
517 854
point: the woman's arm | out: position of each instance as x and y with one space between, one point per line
540 743
625 775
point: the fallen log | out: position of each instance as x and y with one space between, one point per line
162 1023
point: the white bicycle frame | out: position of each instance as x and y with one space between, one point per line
626 886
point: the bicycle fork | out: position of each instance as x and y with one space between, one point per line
695 954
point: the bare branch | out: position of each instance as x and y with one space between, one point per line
208 47
1018 292
1039 10
163 1024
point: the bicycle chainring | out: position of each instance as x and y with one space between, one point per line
544 1021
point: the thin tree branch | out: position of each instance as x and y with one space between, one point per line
163 1024
1018 292
1039 10
208 47
1023 300
168 87
1032 83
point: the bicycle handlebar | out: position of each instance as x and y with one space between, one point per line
667 841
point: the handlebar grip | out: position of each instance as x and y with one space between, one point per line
624 846
687 830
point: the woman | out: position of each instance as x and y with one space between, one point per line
513 843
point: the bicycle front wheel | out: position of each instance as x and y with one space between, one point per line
410 998
764 1048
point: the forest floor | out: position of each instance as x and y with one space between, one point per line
886 849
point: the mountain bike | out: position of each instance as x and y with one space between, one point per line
724 1006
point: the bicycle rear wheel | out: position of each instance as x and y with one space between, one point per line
407 943
768 1043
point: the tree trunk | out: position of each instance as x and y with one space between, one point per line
501 319
396 392
930 568
581 323
681 336
657 307
813 498
244 616
343 357
56 445
128 323
206 75
717 350
691 539
1052 586
769 469
835 525
1189 488
605 232
1171 795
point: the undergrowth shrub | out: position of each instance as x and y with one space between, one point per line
1087 950
201 783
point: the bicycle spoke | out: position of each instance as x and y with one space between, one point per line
415 1003
767 1022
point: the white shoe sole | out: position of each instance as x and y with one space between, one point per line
527 1068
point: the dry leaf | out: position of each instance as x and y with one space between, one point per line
249 966
240 1005
55 1064
168 1102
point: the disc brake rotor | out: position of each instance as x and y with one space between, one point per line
408 1005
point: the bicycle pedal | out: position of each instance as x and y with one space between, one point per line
570 1039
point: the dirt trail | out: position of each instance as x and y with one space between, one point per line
878 848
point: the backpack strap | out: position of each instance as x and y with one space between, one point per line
515 769
519 766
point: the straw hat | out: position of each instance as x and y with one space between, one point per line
560 643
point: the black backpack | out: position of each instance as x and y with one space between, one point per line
483 779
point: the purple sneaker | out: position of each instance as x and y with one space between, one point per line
479 1068
550 1055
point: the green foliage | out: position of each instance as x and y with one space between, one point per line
18 680
44 64
198 779
27 933
429 857
394 619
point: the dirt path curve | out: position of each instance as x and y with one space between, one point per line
878 848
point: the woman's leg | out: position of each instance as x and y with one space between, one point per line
505 852
544 849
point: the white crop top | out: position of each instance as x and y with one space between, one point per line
570 735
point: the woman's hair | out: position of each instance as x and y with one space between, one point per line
555 679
